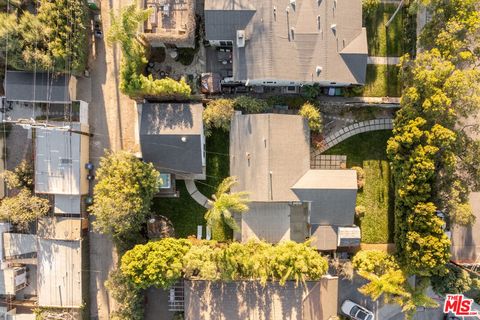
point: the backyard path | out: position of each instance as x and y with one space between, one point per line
351 130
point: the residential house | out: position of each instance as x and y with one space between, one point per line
61 156
238 300
270 155
172 138
45 93
291 42
171 23
44 269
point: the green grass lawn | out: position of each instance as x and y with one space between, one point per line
382 81
368 150
381 43
184 212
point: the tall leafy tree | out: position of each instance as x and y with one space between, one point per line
52 40
225 203
123 195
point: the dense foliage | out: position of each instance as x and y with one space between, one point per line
156 263
453 28
129 299
161 263
314 117
20 177
224 204
437 96
455 280
124 30
218 114
23 208
52 40
123 195
250 105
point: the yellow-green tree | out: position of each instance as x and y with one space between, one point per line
123 195
23 208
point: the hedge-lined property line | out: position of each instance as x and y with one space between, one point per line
354 129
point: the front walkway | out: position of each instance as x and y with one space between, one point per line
195 194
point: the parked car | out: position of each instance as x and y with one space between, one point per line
356 312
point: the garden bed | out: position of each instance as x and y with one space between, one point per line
368 150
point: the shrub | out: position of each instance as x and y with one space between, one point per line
218 114
311 92
156 263
311 113
374 261
250 105
455 280
360 211
360 177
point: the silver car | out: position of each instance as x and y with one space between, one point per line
355 311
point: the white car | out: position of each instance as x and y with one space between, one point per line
355 311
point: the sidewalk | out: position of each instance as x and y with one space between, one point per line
383 60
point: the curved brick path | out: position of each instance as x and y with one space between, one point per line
354 129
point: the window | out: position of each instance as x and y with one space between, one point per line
165 180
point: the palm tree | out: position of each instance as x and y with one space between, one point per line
225 203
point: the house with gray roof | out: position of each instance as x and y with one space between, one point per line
39 87
172 138
291 42
270 156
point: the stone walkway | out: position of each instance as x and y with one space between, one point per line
383 60
195 194
354 129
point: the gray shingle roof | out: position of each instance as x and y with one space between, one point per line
171 137
268 154
37 87
275 222
333 194
290 46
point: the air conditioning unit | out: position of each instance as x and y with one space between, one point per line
240 38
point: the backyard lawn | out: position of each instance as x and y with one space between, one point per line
184 212
382 81
396 41
368 150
